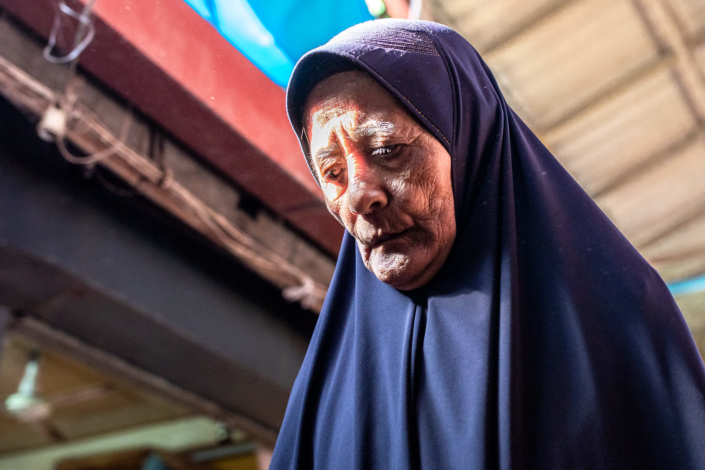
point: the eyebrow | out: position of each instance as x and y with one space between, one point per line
325 152
378 130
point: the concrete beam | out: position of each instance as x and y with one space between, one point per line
117 275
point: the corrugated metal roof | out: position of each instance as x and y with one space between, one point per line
616 90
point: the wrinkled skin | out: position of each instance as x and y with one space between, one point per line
384 177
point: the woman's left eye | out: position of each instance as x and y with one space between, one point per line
384 151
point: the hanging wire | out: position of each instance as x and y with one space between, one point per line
61 112
83 38
94 158
125 192
307 292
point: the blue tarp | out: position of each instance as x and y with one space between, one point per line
274 34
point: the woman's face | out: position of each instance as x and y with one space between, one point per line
384 177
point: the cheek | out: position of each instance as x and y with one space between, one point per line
417 192
425 193
402 185
434 181
332 192
339 209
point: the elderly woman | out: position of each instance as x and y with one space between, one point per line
484 313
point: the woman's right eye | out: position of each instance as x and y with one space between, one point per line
333 174
384 151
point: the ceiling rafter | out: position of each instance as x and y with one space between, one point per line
618 87
632 123
535 19
665 32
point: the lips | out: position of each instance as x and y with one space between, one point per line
382 238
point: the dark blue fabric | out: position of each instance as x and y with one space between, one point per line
545 342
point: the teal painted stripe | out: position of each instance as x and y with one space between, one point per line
688 286
274 34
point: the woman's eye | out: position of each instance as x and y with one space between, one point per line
384 151
333 175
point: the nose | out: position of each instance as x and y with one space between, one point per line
366 192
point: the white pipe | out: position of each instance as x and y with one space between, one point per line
415 9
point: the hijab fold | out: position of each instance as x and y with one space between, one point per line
545 342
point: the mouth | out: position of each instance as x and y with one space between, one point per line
384 238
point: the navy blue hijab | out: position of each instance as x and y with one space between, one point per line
545 342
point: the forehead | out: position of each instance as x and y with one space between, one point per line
349 92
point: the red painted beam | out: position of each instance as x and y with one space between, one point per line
176 68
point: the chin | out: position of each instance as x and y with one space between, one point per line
398 270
